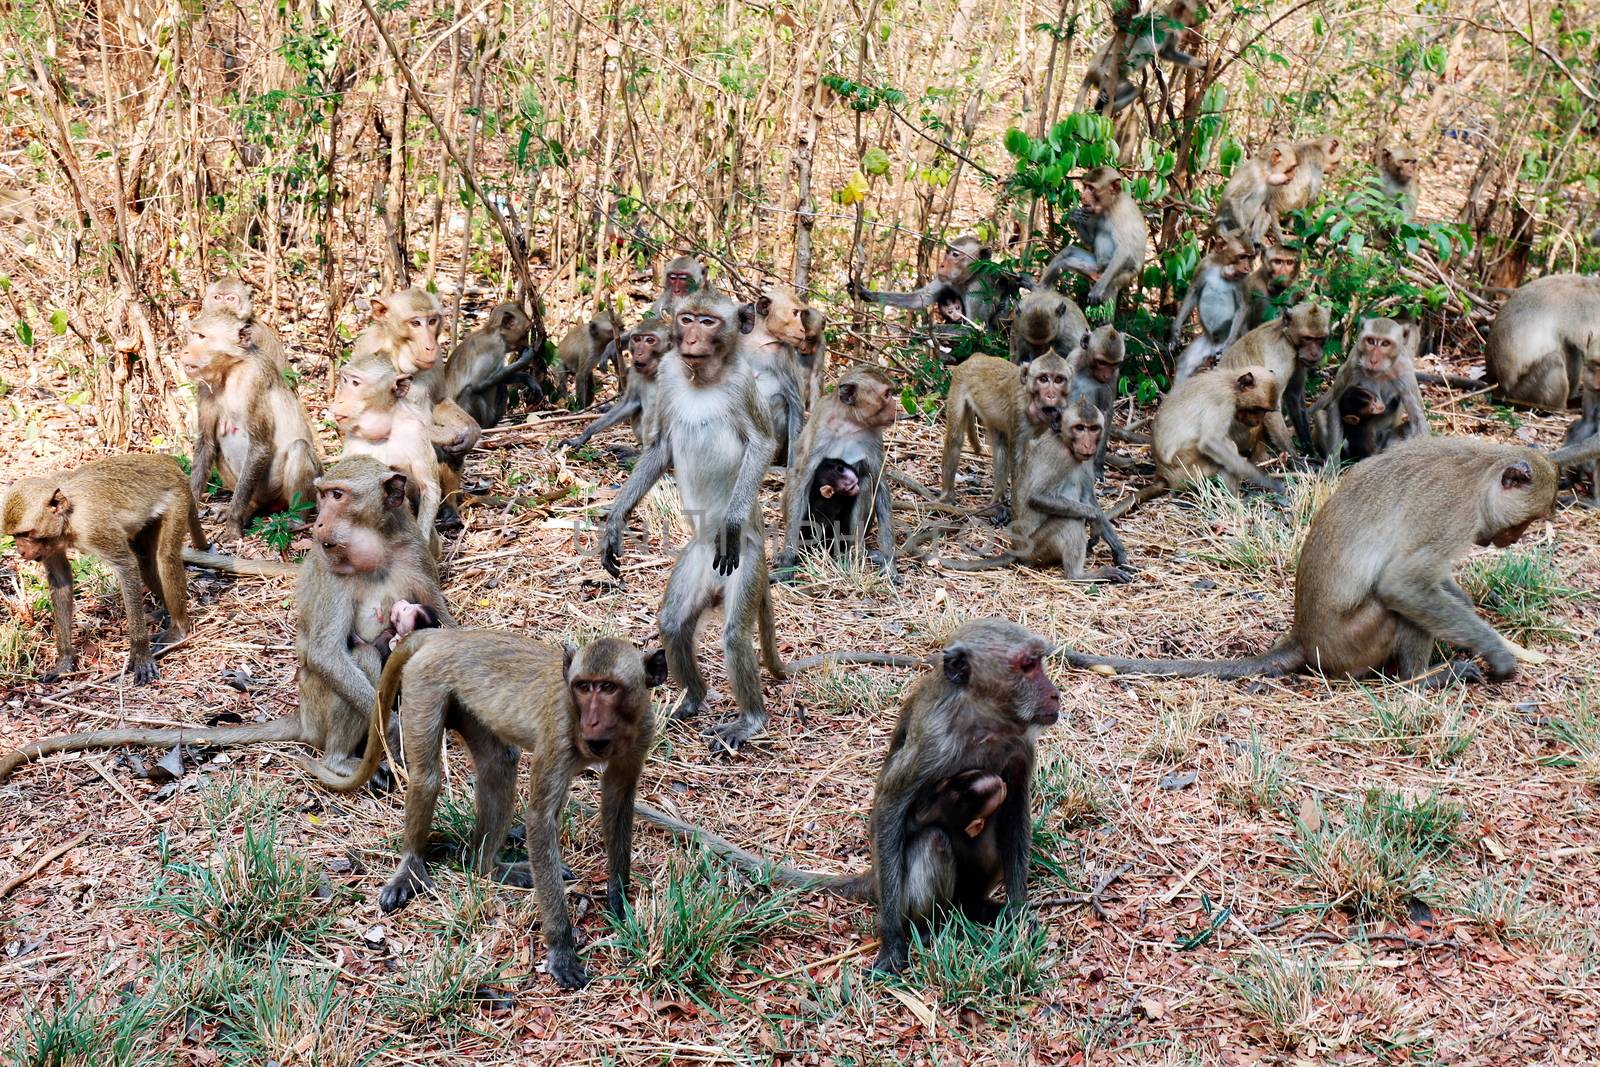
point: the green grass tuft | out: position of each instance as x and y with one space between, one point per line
1382 857
1523 590
988 969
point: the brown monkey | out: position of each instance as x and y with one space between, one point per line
581 352
845 428
405 331
1543 348
1397 171
1313 159
1009 402
1135 42
648 343
957 270
370 410
1373 589
1217 292
1280 269
1382 360
813 353
502 692
133 512
716 436
252 427
1290 347
1113 228
477 375
1367 412
1245 211
770 335
1055 504
1096 367
1045 321
367 554
1200 426
231 296
684 277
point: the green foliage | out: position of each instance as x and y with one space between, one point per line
1382 857
1079 142
990 969
1523 589
861 97
77 1032
278 529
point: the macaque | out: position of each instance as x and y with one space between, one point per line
957 271
836 484
1217 292
231 296
1397 171
813 353
404 618
1543 348
1096 365
1245 211
1055 506
717 437
1045 321
771 332
1313 159
581 352
1373 589
1200 426
1367 413
1290 347
684 277
405 331
1153 32
367 557
1383 359
478 376
252 427
1113 228
569 709
648 344
370 410
134 513
1009 402
1279 270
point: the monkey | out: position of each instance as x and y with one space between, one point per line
1045 321
133 512
1010 402
231 296
770 335
1143 37
405 331
715 433
684 277
1279 270
1543 348
1290 347
590 707
1368 412
582 352
813 353
370 411
845 428
404 618
1313 159
1373 589
958 270
1096 365
1397 172
366 554
961 805
648 344
477 375
1217 292
252 427
1113 228
1581 448
1245 210
1382 359
1055 503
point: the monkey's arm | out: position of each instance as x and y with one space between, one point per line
1014 832
504 374
626 408
1430 605
646 473
452 429
796 490
918 299
1294 398
1185 309
205 448
896 791
1411 400
58 571
1064 507
1123 262
1225 454
326 652
257 466
884 516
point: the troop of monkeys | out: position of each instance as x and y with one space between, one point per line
716 393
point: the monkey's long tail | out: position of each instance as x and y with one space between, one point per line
1454 381
284 729
1128 503
221 561
981 563
870 659
1282 659
851 886
197 533
769 635
372 755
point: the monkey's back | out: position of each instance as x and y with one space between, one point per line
1559 313
488 670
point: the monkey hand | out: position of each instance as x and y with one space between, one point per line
566 970
1502 664
725 556
854 287
460 444
611 552
572 442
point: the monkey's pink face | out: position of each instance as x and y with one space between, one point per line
32 548
646 353
1038 699
1105 371
1251 416
1377 352
1237 268
1083 441
348 545
422 334
954 265
603 726
1283 269
697 335
1309 348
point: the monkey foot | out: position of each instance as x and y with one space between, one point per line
143 670
567 971
1456 672
407 882
730 737
59 671
886 963
688 709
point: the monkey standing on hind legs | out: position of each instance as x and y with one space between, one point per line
1217 292
569 710
231 296
367 556
1369 603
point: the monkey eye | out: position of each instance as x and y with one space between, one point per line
337 494
606 686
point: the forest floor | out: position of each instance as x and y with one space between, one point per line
1296 870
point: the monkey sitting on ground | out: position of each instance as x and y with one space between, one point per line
405 332
1055 506
647 344
1245 211
1382 360
1397 171
1290 347
252 427
501 692
1217 293
845 431
770 335
1010 403
1280 268
231 296
957 270
1113 228
477 375
583 351
1367 603
366 557
1543 348
1045 321
1096 366
370 410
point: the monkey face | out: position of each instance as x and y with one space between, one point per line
1377 352
1105 371
835 477
1083 440
784 315
216 341
365 390
812 322
36 513
1252 416
1238 267
645 349
1047 380
1038 701
954 265
412 319
599 702
227 295
698 334
513 324
1282 267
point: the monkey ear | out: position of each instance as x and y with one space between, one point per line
59 503
985 252
747 318
394 491
1084 341
957 669
402 385
569 652
763 305
655 668
380 310
847 394
1517 476
1245 381
244 335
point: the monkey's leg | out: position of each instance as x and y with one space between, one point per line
1439 613
141 665
618 785
172 586
930 874
494 763
690 590
1194 357
422 709
741 604
58 570
547 795
1543 383
343 725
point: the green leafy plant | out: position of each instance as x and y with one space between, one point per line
278 530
